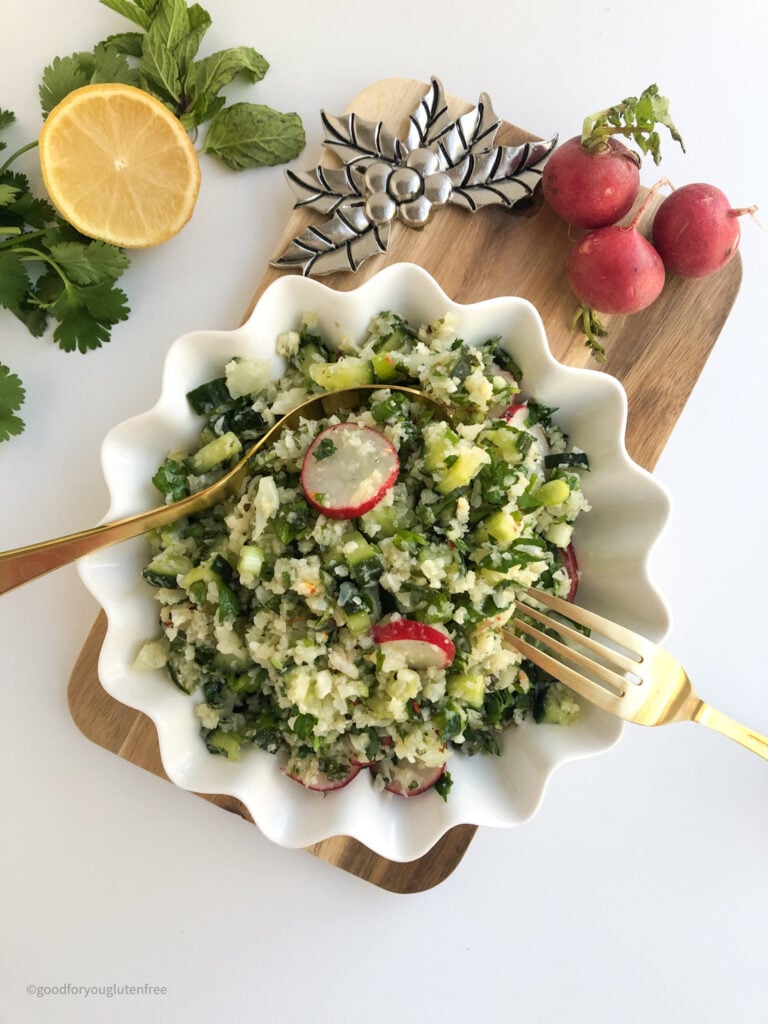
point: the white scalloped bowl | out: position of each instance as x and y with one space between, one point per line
629 511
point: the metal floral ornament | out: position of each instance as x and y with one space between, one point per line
384 179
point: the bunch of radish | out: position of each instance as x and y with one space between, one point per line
592 181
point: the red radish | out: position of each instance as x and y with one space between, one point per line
320 782
615 270
590 188
410 780
512 410
423 646
348 469
696 231
571 566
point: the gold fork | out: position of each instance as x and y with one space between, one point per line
642 683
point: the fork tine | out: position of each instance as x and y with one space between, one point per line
593 692
564 652
629 640
618 659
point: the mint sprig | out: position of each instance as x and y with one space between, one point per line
636 117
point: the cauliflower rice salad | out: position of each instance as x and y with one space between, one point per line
346 609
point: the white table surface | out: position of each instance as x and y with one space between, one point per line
640 890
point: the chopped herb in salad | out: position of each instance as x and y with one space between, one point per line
344 611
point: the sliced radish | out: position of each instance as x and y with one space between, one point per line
421 646
348 469
512 410
571 566
319 781
407 779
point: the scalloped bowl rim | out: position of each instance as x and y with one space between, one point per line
614 542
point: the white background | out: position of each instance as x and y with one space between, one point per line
640 890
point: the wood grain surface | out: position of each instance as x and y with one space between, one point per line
657 355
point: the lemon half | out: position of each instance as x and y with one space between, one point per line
119 166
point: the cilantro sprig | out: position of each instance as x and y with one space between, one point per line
636 117
50 272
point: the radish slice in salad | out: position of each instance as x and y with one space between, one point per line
571 566
348 469
421 645
320 782
407 779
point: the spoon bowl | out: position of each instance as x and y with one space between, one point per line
21 565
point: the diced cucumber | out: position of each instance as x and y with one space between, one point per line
468 687
308 355
389 518
347 372
165 568
553 492
466 467
198 574
354 548
439 440
559 706
359 622
503 526
226 743
214 453
386 367
250 559
505 440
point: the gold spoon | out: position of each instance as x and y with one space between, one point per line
24 564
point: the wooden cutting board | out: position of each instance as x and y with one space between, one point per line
657 355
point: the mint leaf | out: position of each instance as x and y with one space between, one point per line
12 397
212 73
128 43
160 70
137 12
205 78
14 280
252 135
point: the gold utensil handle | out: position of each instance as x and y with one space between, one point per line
748 738
24 564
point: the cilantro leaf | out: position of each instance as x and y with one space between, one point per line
7 194
61 77
250 134
14 280
12 395
64 74
89 262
